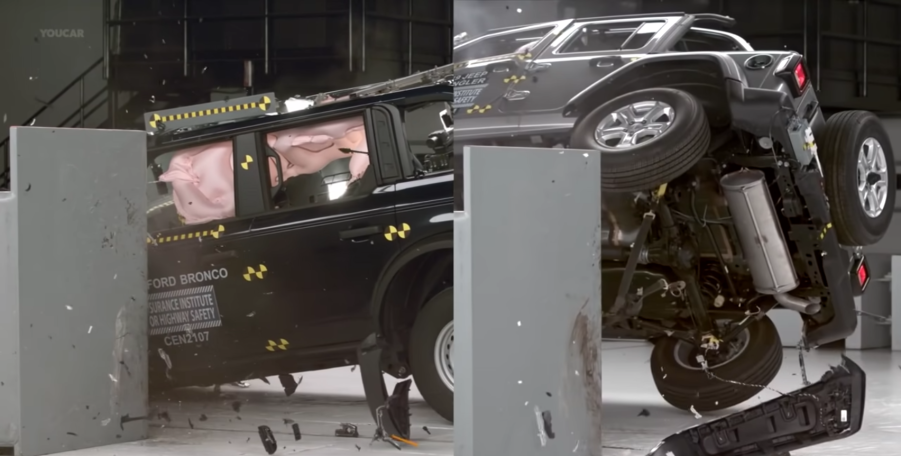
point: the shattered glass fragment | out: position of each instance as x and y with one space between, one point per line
289 383
190 423
164 416
296 428
426 429
644 412
288 421
72 433
105 422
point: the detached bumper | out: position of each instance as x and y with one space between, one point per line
828 410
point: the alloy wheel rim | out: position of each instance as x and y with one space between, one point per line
444 355
637 123
872 178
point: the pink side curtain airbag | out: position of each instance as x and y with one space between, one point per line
202 177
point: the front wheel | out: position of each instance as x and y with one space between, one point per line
432 353
743 367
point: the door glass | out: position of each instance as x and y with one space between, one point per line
321 162
507 43
617 36
191 186
430 144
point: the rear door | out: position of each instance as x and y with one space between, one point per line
586 52
318 253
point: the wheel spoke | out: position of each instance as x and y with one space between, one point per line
627 139
655 112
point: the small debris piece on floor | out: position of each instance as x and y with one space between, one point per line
426 429
644 412
347 430
288 421
353 368
203 417
72 433
697 415
248 439
164 416
190 423
239 418
296 428
548 394
236 406
548 427
268 439
408 442
358 447
542 435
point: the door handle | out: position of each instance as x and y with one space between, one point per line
498 67
358 233
605 62
219 256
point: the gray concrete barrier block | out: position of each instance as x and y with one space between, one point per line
527 308
73 342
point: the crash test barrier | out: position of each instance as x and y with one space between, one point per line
73 271
527 305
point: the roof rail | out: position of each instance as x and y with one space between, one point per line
235 109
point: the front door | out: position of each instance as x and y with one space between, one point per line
584 54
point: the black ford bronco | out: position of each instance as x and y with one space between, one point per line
279 241
725 190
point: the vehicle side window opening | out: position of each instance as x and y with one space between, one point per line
619 36
430 143
697 41
322 162
508 43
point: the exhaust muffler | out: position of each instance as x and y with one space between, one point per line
760 236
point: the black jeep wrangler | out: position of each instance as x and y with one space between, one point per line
280 240
725 190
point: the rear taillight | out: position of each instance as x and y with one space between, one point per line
793 71
863 276
800 75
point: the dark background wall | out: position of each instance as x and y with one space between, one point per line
36 68
313 46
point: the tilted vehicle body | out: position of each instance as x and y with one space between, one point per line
725 190
262 270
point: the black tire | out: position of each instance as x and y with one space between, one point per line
649 164
757 365
434 316
843 137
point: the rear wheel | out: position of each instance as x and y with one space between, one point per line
744 367
432 352
859 173
646 138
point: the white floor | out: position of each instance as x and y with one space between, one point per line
328 398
